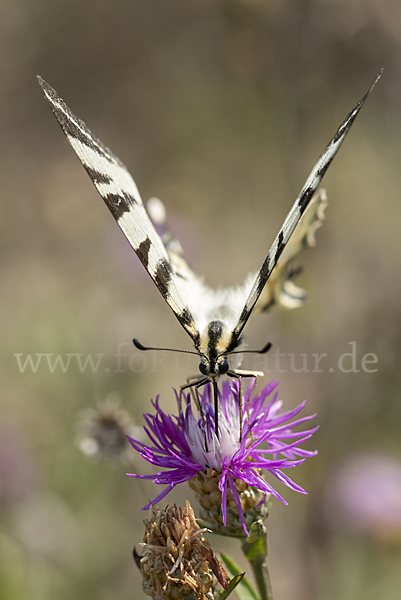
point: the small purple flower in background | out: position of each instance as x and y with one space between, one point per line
268 443
364 495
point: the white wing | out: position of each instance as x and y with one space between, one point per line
295 214
280 289
118 190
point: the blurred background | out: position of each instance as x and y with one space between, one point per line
220 108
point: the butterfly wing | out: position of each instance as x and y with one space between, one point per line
280 289
157 213
119 191
297 211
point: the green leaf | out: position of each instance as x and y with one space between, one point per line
231 586
244 590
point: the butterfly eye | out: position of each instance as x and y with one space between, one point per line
204 369
223 367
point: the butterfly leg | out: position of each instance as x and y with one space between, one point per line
191 383
257 375
239 374
258 379
194 387
240 397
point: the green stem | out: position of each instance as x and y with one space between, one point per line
262 577
255 549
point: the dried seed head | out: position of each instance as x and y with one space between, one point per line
102 431
253 504
178 563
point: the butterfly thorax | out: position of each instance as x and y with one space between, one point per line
215 342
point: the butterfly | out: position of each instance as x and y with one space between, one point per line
214 319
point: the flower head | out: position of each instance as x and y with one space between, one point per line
186 446
177 560
102 431
363 494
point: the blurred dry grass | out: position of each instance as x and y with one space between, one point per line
219 108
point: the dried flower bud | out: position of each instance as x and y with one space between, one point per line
178 563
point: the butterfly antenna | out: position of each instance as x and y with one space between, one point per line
140 346
262 351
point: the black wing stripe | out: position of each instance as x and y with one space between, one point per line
118 204
163 275
96 176
143 252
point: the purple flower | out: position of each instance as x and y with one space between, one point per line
185 445
363 494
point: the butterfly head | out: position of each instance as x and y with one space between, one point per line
213 369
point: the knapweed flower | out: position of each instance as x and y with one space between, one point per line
363 495
225 469
177 562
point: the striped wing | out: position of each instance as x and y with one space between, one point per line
294 216
157 213
280 289
119 191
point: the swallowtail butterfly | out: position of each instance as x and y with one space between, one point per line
213 319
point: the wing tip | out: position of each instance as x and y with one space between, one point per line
43 84
362 101
380 73
50 93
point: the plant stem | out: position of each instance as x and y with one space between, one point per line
255 549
